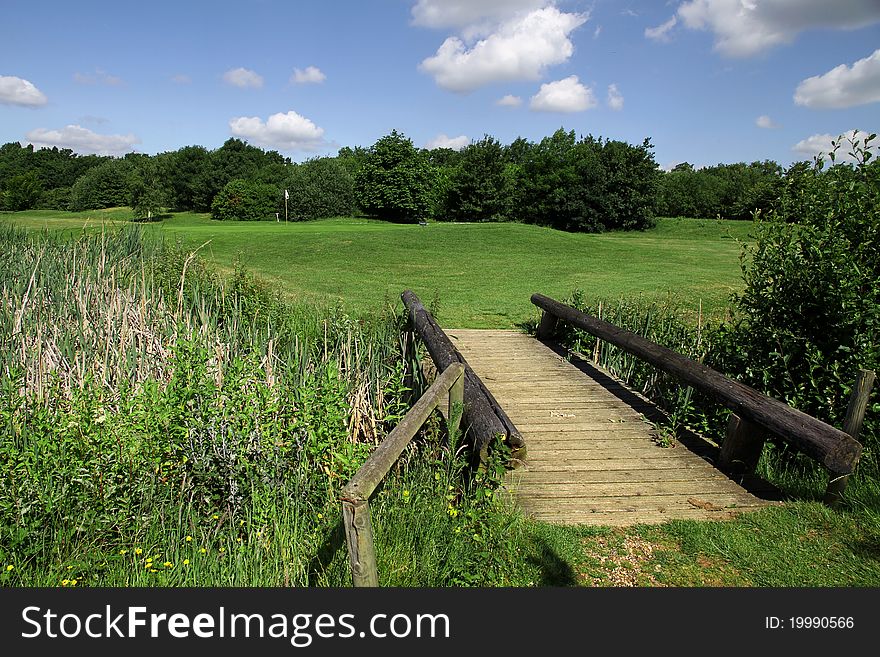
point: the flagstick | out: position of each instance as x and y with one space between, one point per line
286 195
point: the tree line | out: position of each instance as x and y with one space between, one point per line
562 181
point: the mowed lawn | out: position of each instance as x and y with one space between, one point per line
477 275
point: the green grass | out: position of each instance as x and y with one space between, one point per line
482 275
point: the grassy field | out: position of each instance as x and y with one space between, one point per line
481 275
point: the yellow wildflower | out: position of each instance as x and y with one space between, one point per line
123 552
65 582
203 550
138 551
186 562
9 567
73 582
188 539
168 564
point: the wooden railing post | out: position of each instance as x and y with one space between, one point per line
742 446
855 415
547 327
456 397
359 535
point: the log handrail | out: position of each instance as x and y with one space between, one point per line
836 450
356 494
483 418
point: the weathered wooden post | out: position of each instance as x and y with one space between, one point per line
359 535
547 327
742 447
855 415
456 397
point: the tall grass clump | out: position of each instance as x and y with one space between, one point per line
153 414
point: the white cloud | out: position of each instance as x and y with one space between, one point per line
661 32
311 75
100 76
288 132
509 101
842 86
766 122
566 95
615 98
746 27
520 49
597 31
181 78
18 91
82 140
243 78
443 141
465 13
820 144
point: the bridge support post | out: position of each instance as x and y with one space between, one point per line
855 415
547 327
742 447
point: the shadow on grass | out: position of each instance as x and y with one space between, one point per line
334 540
555 571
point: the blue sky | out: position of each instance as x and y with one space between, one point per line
707 80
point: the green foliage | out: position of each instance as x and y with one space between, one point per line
21 192
396 180
245 201
477 188
588 184
810 311
320 187
145 190
732 191
102 186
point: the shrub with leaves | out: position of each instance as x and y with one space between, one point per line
810 311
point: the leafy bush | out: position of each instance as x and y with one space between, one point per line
103 186
245 201
320 187
810 311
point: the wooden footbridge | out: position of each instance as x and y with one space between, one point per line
587 446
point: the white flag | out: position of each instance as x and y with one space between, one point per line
286 195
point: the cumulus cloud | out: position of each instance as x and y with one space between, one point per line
746 27
82 140
766 122
284 131
181 78
842 86
100 76
443 141
309 75
465 13
566 95
509 101
661 32
521 48
820 145
18 91
243 78
615 98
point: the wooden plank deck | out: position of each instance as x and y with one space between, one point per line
593 457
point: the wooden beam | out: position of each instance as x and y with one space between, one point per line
483 417
359 536
831 447
374 469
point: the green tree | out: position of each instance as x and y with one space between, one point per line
22 192
242 200
478 186
320 187
396 181
103 186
